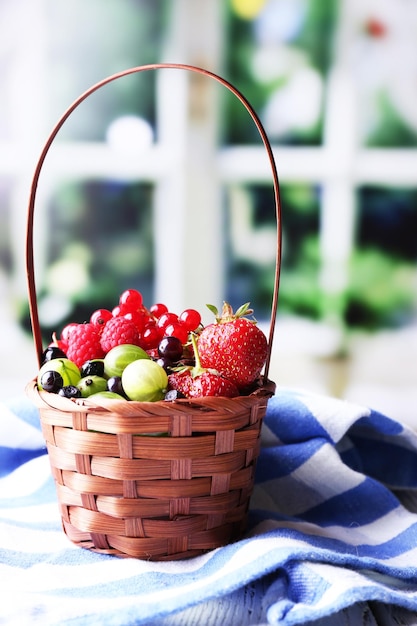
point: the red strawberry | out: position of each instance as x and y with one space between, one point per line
119 330
204 384
84 344
196 382
234 346
181 381
210 384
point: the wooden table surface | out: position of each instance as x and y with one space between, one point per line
246 606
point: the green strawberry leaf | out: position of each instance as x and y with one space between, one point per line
243 310
213 309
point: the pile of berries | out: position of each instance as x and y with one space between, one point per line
129 322
142 354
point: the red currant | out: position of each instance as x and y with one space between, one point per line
131 298
177 330
116 311
190 318
150 338
138 318
167 318
100 317
158 309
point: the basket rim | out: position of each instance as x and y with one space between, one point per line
46 400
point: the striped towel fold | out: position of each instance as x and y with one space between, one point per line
325 525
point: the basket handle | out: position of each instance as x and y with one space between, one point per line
33 307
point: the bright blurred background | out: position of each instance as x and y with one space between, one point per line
160 182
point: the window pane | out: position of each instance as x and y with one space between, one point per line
5 250
52 51
251 249
383 271
101 244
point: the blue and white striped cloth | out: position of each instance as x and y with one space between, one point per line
325 524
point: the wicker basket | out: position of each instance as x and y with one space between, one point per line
121 489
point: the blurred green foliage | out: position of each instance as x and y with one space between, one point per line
390 130
116 219
381 292
382 274
314 40
381 289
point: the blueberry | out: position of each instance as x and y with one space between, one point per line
94 367
70 391
114 384
173 394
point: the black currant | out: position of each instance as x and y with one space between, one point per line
170 348
52 352
51 381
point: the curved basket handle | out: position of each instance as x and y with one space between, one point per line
33 307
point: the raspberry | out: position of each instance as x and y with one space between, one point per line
84 344
119 330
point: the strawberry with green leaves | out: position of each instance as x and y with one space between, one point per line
234 346
196 382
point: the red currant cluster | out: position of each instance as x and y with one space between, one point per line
131 322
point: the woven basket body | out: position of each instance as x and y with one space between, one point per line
152 480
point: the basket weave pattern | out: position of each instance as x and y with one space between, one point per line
125 490
152 480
